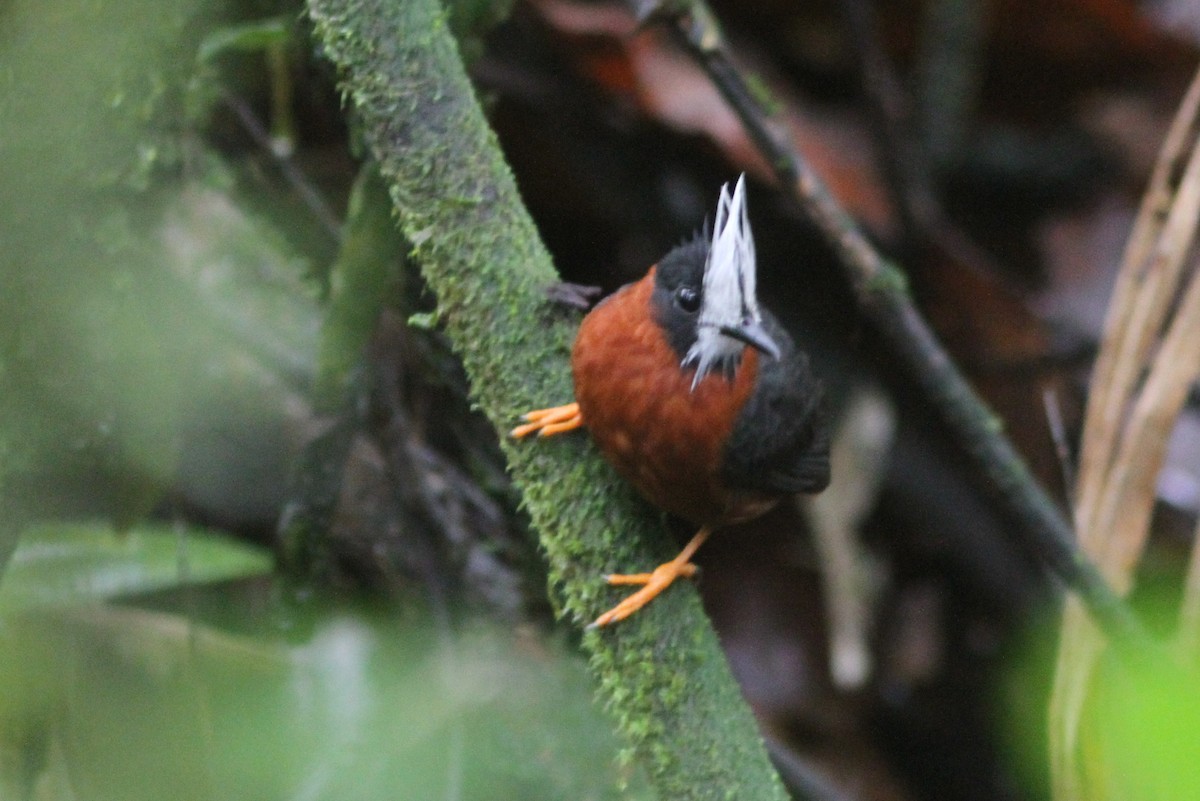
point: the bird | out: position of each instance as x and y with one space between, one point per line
695 394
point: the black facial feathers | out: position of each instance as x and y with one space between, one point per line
679 273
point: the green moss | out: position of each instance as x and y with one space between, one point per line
890 280
763 95
660 674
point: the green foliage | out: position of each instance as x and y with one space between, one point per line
142 302
1142 733
1140 725
366 274
60 564
254 36
121 703
271 38
89 93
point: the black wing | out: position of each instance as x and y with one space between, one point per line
780 442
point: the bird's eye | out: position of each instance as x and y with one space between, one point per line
688 299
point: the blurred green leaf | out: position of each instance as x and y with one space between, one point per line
127 704
60 563
158 331
1141 733
246 37
85 95
365 275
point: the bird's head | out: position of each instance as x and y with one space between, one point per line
704 293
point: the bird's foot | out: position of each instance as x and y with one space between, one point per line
548 422
652 583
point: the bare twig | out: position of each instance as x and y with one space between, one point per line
882 292
1058 433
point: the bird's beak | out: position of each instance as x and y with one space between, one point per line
754 335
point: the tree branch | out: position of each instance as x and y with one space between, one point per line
661 673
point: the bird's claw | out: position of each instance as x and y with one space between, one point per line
548 422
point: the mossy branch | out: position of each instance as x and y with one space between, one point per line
661 673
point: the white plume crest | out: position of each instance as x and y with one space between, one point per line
729 273
729 296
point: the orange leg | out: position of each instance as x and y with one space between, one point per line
548 422
654 583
